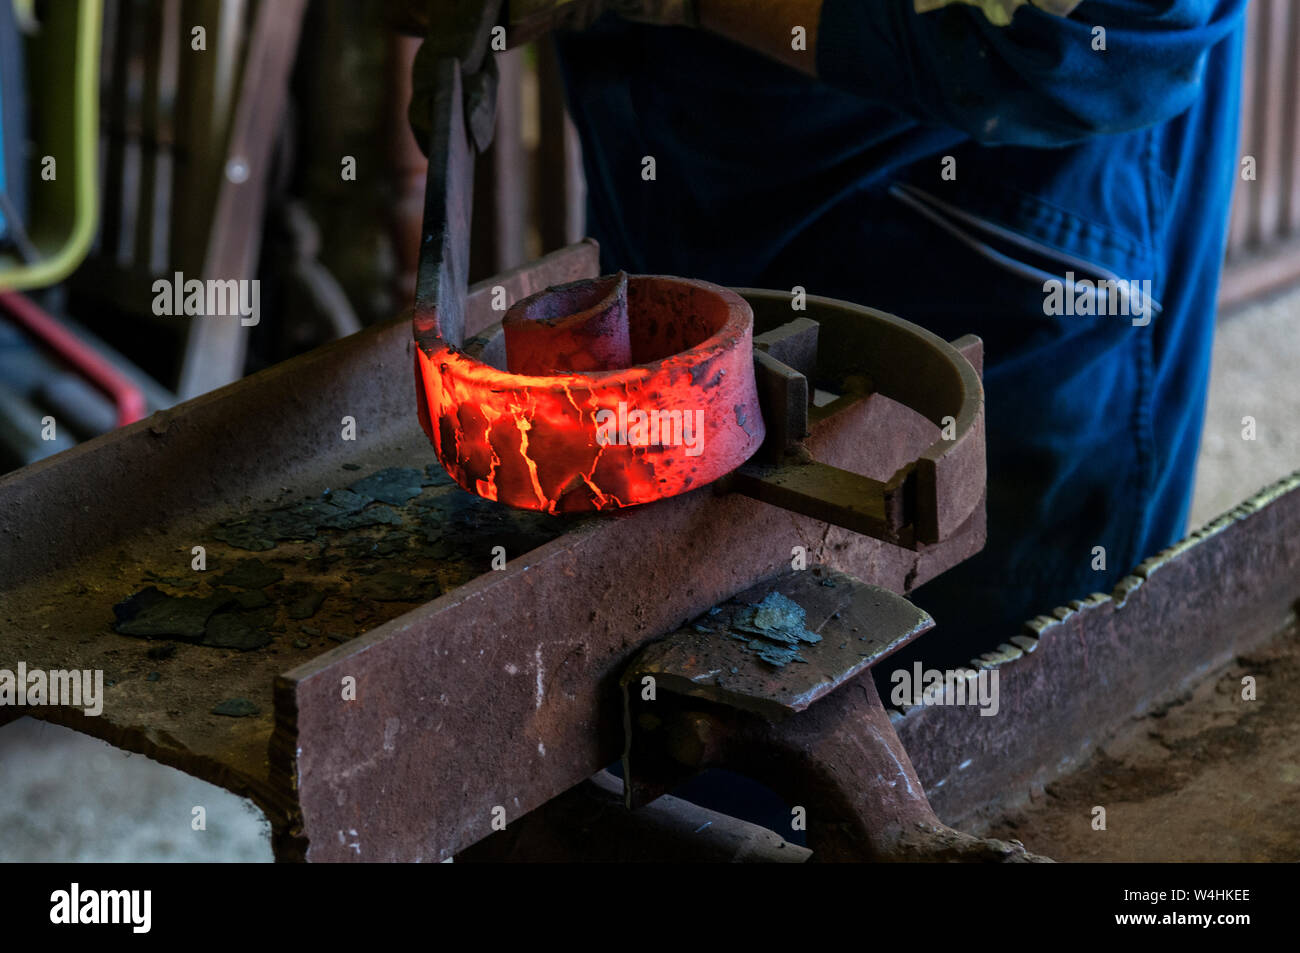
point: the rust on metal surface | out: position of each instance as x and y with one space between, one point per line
582 326
853 626
842 761
82 529
569 617
814 731
446 726
860 350
783 397
1182 614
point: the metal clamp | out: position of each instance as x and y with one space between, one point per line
859 352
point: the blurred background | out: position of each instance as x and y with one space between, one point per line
278 150
269 140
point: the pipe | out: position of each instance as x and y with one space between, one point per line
127 398
52 270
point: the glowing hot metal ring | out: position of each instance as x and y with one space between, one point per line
575 440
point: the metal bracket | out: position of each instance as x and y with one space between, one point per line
860 352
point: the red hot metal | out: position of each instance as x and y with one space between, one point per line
577 440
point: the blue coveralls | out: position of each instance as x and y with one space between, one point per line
1068 158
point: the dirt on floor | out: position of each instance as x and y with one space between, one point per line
1213 776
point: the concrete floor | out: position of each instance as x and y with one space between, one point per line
68 797
64 796
1255 373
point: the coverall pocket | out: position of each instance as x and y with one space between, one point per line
1072 285
1068 395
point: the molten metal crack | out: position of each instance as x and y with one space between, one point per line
531 440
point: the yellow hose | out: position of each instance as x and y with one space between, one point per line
56 267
